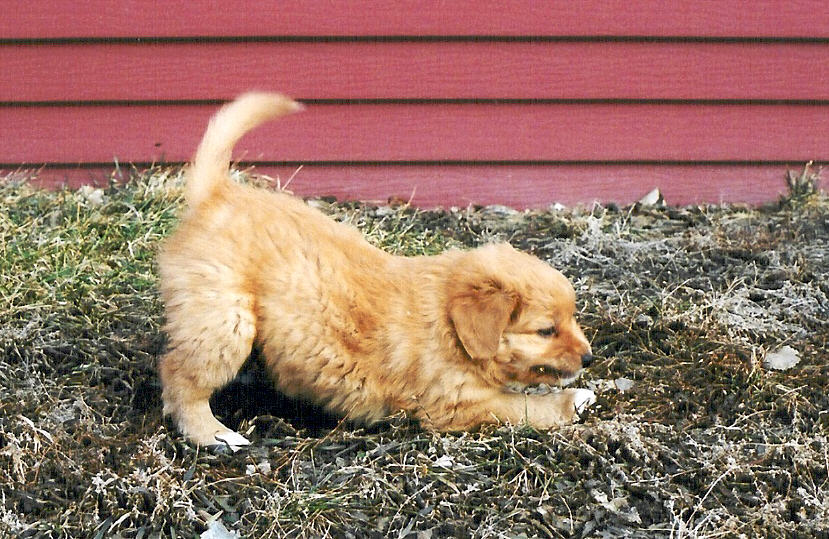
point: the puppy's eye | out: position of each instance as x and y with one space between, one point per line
547 332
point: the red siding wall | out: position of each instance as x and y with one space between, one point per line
522 103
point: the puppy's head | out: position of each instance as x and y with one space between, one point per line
514 317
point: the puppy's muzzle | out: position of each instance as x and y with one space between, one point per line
552 372
549 370
545 370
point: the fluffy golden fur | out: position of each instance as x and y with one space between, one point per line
344 324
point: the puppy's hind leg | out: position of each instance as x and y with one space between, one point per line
208 344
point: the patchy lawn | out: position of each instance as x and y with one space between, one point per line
692 435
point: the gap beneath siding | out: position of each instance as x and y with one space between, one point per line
515 185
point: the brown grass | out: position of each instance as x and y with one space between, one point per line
682 302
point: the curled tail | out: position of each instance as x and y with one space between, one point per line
209 169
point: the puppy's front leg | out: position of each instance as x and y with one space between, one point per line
543 411
539 411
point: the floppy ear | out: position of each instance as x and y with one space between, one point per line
480 314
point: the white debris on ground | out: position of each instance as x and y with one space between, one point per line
782 360
263 467
653 198
217 530
93 195
623 384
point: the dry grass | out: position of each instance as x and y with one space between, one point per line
682 302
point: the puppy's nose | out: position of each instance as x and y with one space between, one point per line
586 360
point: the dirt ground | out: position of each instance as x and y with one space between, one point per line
694 434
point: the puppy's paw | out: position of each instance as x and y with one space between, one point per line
231 440
582 398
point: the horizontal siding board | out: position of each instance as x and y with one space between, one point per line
513 185
479 70
704 99
412 132
24 19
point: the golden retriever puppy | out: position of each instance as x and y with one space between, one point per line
344 324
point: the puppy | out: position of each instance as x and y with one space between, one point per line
344 324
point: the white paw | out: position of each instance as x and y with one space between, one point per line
582 398
233 440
